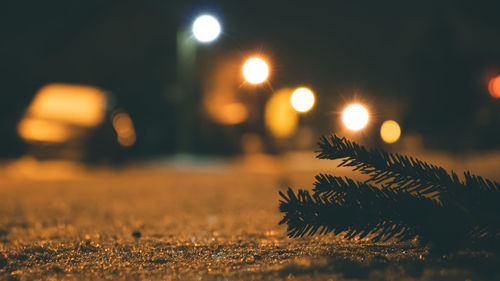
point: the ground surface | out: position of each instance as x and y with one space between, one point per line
209 221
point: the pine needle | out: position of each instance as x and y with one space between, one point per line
403 198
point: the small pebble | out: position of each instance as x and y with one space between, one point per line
136 234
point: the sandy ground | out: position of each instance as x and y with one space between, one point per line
193 219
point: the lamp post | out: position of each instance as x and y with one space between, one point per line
204 30
255 71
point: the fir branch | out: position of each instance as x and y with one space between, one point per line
398 171
479 183
403 207
478 198
357 210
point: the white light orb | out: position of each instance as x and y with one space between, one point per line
355 117
255 70
206 28
302 99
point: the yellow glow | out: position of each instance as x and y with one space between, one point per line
255 70
71 104
43 130
221 100
494 87
124 128
355 117
390 131
233 113
302 99
280 118
206 28
128 141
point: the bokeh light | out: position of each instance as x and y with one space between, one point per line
220 95
302 99
355 117
59 112
39 130
233 113
390 131
124 128
206 28
255 70
73 104
494 87
280 117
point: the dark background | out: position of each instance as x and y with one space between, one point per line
432 59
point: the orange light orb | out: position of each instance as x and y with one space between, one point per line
124 128
494 87
390 131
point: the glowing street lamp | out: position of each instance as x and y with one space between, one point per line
206 28
355 117
255 70
302 99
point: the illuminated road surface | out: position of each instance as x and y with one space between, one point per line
169 222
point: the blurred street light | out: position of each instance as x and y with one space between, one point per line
390 131
355 117
39 130
302 99
206 28
494 87
124 128
59 111
60 120
280 118
255 70
79 105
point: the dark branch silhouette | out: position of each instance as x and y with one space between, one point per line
403 198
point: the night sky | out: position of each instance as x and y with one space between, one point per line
432 59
